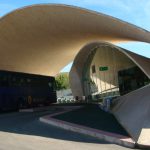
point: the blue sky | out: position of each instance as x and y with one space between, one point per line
133 11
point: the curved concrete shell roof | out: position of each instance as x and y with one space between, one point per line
42 39
76 73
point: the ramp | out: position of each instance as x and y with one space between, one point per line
133 113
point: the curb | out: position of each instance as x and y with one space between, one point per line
35 109
102 135
38 109
26 110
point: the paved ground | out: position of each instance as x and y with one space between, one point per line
92 116
23 131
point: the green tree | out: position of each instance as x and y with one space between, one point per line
62 81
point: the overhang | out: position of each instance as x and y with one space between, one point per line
42 39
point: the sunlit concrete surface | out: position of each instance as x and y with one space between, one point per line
23 131
132 110
87 56
42 39
145 135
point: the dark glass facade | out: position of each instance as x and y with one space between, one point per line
22 90
131 79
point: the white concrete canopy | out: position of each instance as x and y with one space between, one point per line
76 73
42 39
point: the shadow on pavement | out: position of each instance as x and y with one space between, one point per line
29 124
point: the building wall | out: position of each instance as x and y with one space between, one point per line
115 61
107 54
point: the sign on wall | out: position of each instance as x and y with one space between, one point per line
103 68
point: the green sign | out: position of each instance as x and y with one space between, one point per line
103 68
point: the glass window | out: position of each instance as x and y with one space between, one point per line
93 69
50 84
28 80
131 79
